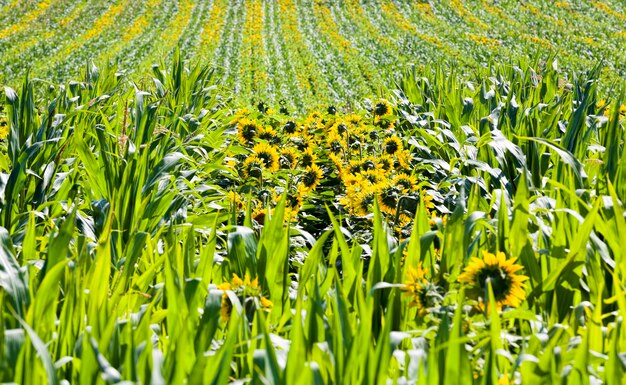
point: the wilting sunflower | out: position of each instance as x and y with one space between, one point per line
311 177
247 130
392 145
508 287
382 108
268 155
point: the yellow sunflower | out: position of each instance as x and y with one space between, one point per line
415 287
382 108
253 167
388 198
508 287
311 177
243 288
335 142
307 158
290 128
4 127
268 155
403 159
288 158
269 134
392 145
406 182
247 130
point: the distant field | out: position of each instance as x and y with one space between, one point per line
306 52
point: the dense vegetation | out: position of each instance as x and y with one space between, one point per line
430 224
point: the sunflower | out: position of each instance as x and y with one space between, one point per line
415 287
507 286
382 108
243 288
359 199
385 162
311 177
290 128
268 155
392 145
372 176
335 142
406 182
307 158
269 134
388 199
4 129
288 158
248 130
253 167
385 124
403 159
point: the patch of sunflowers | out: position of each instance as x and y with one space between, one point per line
350 161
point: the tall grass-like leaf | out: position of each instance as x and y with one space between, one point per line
13 278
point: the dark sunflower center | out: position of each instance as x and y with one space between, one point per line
335 146
248 132
405 184
381 109
266 157
500 281
366 201
391 147
389 196
309 178
369 165
254 170
289 127
306 160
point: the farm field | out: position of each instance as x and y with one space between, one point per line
323 192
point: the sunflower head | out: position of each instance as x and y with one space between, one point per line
4 127
342 129
405 182
288 158
311 177
385 124
507 285
269 135
253 167
307 158
268 155
290 128
423 294
382 108
247 130
335 142
245 289
392 145
388 198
